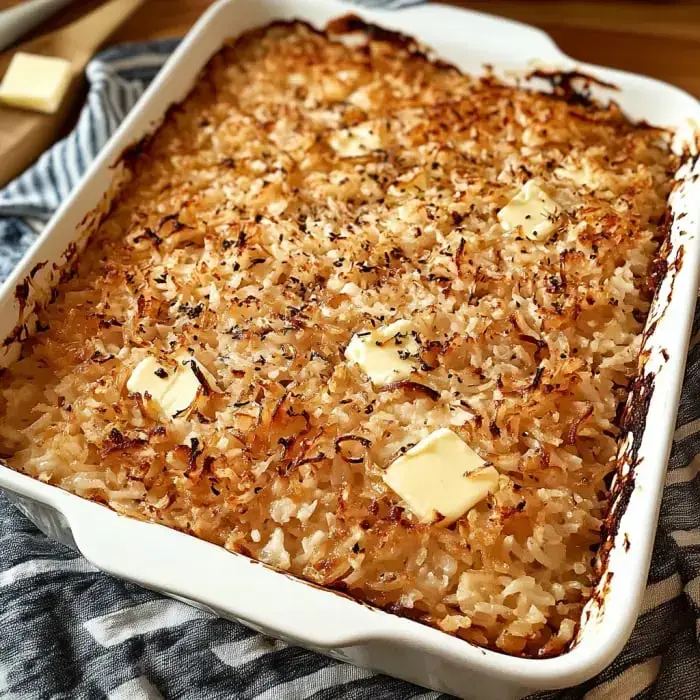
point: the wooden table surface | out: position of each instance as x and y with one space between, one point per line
659 38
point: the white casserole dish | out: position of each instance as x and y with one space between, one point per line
234 587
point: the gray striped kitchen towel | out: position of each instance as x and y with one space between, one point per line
67 631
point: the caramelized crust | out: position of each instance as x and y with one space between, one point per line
306 191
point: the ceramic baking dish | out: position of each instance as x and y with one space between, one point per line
234 587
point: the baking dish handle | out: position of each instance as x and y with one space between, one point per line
225 584
197 572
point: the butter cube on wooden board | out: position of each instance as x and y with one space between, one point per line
35 82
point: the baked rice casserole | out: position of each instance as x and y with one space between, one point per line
367 320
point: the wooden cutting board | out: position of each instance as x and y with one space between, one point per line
25 135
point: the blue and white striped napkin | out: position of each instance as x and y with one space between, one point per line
67 631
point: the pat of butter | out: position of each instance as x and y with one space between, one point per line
532 209
387 354
171 390
35 82
357 140
441 477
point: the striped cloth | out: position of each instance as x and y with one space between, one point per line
68 631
